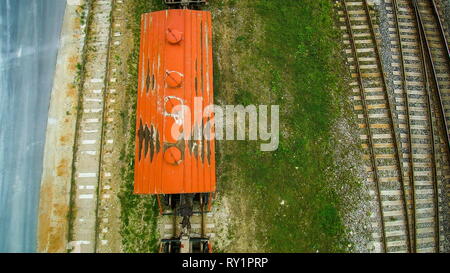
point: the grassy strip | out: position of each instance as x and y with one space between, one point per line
288 54
139 213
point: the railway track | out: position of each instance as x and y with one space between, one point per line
405 139
108 212
434 43
93 135
202 225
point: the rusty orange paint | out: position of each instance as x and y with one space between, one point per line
175 66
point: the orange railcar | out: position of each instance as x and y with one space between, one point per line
175 66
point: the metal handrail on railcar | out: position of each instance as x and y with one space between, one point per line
185 2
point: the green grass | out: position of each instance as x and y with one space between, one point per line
298 61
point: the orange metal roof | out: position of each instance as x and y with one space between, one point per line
175 66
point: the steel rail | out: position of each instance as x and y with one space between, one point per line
424 41
441 28
408 120
368 129
394 131
435 79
